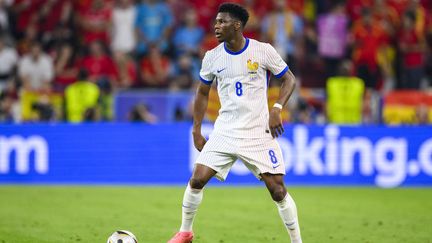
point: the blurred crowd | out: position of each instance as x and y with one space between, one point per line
64 60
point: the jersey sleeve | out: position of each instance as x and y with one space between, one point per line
274 62
206 76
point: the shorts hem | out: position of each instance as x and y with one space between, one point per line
269 172
218 175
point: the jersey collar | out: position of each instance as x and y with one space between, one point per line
239 52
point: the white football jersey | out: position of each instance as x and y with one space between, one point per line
242 80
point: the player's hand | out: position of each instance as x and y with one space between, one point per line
199 141
275 122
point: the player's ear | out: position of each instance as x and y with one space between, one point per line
237 25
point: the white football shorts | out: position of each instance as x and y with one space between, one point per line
260 155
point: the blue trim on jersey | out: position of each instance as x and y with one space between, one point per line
239 52
282 73
205 81
268 77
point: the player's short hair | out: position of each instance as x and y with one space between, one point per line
235 11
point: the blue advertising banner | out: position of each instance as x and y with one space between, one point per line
164 154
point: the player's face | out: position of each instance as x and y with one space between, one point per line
225 27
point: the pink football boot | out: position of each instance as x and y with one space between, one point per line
182 237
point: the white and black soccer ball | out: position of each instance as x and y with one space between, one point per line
122 236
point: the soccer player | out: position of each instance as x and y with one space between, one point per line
244 129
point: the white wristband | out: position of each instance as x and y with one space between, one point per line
277 105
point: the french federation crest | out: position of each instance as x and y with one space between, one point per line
252 69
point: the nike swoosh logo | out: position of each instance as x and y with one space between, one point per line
220 70
274 167
290 224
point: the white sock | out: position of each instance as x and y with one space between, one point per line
191 200
288 212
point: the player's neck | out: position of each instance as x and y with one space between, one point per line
236 44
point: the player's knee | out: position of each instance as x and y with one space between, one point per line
278 193
197 183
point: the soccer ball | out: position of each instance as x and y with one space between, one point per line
122 236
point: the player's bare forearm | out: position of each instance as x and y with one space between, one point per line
286 89
200 107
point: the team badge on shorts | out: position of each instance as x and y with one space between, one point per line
252 67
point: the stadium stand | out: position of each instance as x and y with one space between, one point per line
389 50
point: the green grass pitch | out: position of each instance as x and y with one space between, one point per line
227 214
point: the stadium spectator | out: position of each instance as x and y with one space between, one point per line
412 46
252 29
58 26
53 13
100 66
206 12
43 109
62 33
25 13
417 9
386 17
262 8
427 5
428 61
367 37
185 73
208 43
8 60
345 96
95 22
35 70
155 69
355 8
5 16
123 23
141 113
81 96
398 5
66 67
82 5
428 36
304 113
127 72
283 28
9 103
31 35
178 8
429 22
37 19
188 35
419 12
153 26
310 66
332 36
297 6
92 115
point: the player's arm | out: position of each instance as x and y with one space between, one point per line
286 89
200 108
